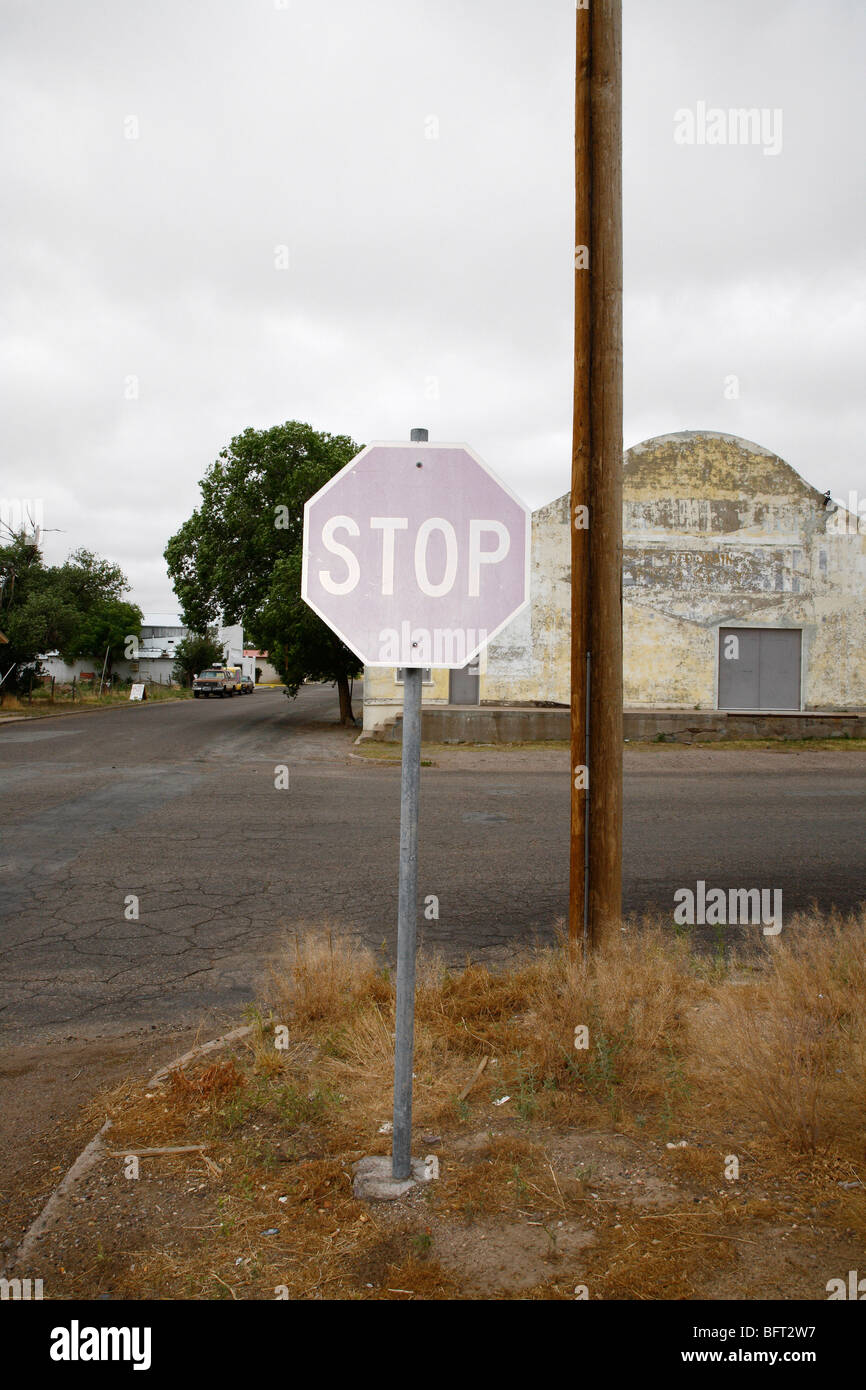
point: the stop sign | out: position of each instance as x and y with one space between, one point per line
416 554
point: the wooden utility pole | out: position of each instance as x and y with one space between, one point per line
595 900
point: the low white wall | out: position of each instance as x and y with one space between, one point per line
158 669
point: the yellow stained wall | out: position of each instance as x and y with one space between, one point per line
717 531
383 696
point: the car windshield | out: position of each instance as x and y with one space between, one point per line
209 675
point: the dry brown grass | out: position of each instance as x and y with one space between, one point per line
320 981
214 1084
780 1041
633 1001
786 1047
762 1058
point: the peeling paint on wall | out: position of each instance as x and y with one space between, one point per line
717 532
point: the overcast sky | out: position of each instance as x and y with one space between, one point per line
429 280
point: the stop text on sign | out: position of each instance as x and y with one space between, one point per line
480 553
416 553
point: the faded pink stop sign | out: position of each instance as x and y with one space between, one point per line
416 554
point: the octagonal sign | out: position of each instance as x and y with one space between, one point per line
416 554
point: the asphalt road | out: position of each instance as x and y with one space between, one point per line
176 806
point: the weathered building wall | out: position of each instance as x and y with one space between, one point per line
717 532
383 694
529 659
526 657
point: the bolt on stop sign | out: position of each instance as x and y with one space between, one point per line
416 554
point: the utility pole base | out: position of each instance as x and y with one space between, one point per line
373 1181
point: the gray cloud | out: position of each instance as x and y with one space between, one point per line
429 280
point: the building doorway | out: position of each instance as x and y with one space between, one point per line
759 667
464 686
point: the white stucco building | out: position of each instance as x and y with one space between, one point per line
160 635
744 588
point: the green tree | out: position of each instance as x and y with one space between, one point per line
89 579
74 608
239 554
195 654
103 630
32 619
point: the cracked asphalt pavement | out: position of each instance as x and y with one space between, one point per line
175 805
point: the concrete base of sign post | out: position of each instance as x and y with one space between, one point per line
373 1181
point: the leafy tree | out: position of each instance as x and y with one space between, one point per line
299 644
30 619
74 608
239 554
103 630
194 654
88 579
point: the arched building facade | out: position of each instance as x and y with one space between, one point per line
744 588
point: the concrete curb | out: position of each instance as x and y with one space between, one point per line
21 717
83 1163
95 1150
199 1051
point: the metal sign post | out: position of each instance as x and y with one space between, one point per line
407 915
407 912
415 555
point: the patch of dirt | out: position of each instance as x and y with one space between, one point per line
616 1163
232 1179
45 1089
489 1256
518 1212
372 1268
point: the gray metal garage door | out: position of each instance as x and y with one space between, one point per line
759 668
464 685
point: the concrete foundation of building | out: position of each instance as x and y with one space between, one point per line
507 724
